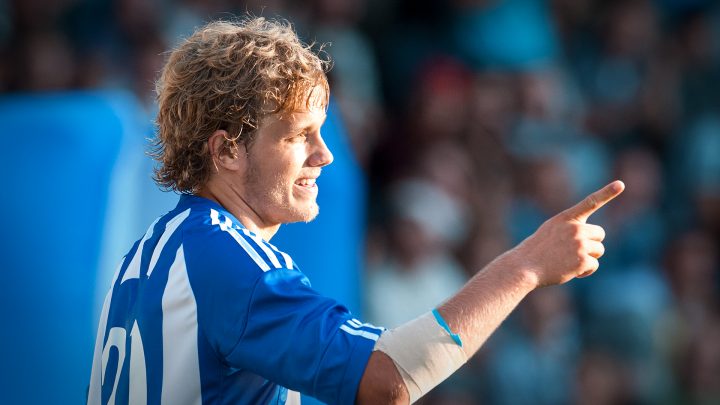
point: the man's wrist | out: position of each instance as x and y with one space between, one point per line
514 264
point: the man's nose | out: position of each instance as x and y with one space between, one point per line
321 155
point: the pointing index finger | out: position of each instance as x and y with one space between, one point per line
582 210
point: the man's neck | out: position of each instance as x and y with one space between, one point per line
231 199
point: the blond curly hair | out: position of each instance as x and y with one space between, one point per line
228 75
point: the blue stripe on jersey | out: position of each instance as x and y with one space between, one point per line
264 253
261 244
170 228
289 264
225 225
133 269
270 255
151 314
138 299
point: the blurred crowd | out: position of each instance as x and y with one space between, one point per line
476 120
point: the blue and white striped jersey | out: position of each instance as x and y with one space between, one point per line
203 311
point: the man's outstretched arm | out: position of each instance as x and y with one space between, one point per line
563 248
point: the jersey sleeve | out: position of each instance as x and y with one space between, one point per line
303 340
262 316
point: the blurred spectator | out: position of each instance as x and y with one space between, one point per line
45 61
635 223
690 333
603 379
528 38
535 352
693 270
417 271
547 191
703 364
356 81
631 275
702 169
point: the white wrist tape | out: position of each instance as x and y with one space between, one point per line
424 353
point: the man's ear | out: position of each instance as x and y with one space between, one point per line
226 152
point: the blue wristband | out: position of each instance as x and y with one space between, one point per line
445 326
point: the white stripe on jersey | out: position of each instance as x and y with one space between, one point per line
181 363
138 373
265 249
293 398
239 239
96 377
133 269
357 324
288 260
170 228
356 332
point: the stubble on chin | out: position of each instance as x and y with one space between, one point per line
275 201
312 213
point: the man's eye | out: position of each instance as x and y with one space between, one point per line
298 138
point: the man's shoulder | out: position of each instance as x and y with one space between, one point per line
215 236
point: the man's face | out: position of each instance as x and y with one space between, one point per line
282 164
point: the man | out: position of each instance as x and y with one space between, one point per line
203 309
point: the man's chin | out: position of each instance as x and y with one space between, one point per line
306 214
312 214
309 219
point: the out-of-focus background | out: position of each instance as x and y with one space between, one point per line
458 128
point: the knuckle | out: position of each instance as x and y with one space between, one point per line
578 244
595 232
589 263
574 229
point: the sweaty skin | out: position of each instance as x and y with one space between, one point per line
563 248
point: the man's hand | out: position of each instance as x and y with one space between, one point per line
566 246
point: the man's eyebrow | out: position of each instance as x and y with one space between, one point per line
294 125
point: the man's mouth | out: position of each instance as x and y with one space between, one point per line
305 182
